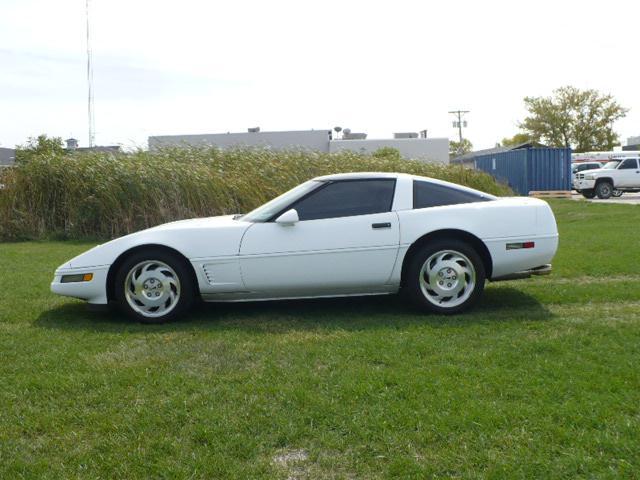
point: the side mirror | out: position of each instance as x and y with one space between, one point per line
288 218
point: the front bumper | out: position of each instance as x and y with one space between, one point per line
93 291
585 184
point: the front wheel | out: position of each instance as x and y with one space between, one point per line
154 286
617 193
446 276
604 190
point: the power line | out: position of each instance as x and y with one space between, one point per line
90 114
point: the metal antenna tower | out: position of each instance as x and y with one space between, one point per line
90 114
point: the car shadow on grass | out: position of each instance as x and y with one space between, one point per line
503 304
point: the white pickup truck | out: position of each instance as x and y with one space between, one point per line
618 175
576 168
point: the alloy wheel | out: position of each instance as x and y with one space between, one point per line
447 278
152 288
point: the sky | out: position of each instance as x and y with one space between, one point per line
196 66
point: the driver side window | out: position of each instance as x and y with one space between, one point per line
346 198
629 163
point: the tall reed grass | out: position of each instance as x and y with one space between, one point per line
101 196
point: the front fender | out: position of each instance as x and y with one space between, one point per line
197 239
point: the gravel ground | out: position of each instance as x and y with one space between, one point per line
627 198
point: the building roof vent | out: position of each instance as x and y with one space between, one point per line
348 135
253 129
405 135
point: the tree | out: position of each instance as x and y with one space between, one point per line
460 148
517 139
580 119
37 146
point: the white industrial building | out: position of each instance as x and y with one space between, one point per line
425 149
7 156
633 143
409 145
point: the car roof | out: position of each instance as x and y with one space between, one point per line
358 176
374 175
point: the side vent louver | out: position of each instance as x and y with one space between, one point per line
208 271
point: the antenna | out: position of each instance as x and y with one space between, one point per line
90 114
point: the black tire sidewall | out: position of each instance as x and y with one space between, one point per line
588 193
412 281
599 188
178 264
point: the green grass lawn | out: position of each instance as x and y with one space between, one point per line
542 380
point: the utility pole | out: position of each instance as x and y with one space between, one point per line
90 114
459 114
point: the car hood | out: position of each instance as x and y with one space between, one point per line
195 238
597 171
223 221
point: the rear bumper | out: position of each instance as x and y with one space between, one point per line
537 271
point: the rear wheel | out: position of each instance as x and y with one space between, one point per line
154 287
589 193
604 190
446 276
617 193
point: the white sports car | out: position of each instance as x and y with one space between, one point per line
339 235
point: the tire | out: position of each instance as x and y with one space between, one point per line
165 285
604 190
590 193
442 267
617 193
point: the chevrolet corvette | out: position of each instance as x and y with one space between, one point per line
337 235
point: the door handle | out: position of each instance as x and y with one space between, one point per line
381 225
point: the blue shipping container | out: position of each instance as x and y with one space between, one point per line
529 169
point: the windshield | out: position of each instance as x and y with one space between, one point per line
269 209
612 164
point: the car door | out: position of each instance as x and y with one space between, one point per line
628 174
346 241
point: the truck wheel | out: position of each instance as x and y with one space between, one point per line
589 193
604 190
617 193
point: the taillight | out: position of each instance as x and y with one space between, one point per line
519 245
